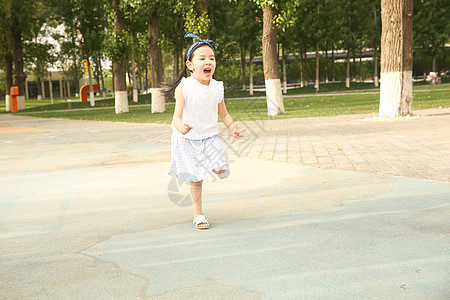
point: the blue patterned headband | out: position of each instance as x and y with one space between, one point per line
197 44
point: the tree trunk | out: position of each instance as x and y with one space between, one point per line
135 91
120 65
301 67
360 66
39 84
306 68
91 89
316 85
50 86
333 78
8 79
243 67
75 78
176 64
96 72
146 71
101 75
347 76
375 67
284 72
353 74
375 55
68 88
250 72
424 57
156 64
19 75
396 58
113 85
139 72
326 62
275 105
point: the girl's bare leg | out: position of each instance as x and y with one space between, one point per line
219 172
196 196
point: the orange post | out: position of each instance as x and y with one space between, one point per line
14 92
84 90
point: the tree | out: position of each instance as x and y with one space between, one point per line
396 58
70 55
275 105
300 34
120 59
236 26
136 14
22 21
374 33
6 47
274 13
156 62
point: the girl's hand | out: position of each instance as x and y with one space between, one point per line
237 134
186 128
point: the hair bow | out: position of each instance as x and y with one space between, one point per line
200 42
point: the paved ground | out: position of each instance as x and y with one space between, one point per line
310 211
417 148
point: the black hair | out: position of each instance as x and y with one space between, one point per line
170 87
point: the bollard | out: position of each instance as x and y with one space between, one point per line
14 92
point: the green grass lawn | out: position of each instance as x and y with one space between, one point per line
314 105
61 104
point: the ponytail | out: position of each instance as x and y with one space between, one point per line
169 88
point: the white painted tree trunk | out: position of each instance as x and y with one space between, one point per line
284 75
135 95
396 59
91 98
391 93
274 96
316 83
250 75
43 90
8 102
51 88
158 101
121 102
91 89
135 91
347 77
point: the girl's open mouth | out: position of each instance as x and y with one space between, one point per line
207 72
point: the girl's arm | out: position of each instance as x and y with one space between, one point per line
227 120
178 112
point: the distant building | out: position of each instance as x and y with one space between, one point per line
61 87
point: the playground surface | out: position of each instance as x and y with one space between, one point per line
339 207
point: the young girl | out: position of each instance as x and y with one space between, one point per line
196 146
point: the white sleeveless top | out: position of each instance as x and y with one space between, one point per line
201 107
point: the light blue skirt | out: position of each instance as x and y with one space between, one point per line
194 160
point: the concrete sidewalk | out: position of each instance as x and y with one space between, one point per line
88 212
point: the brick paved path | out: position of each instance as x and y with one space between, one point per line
417 148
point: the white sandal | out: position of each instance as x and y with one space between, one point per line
200 219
